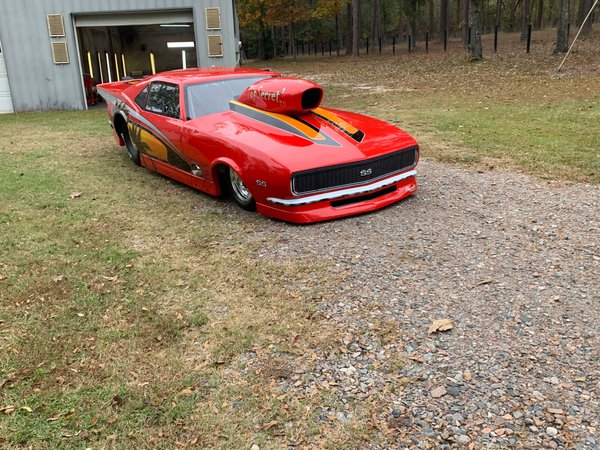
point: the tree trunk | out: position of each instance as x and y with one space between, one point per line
498 13
466 20
458 21
349 28
562 37
443 18
539 20
338 29
292 39
431 18
401 19
355 28
261 43
584 8
512 21
525 19
475 50
384 18
376 28
274 41
413 23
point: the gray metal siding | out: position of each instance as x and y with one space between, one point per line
38 84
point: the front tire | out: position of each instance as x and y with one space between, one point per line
239 192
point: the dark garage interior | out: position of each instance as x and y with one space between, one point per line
109 53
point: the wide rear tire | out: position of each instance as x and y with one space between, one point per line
133 152
123 131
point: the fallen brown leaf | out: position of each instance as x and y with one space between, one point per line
75 195
8 409
65 415
440 325
417 359
487 280
269 425
374 422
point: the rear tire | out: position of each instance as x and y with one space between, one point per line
123 131
239 192
133 152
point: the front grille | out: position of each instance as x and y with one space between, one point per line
361 172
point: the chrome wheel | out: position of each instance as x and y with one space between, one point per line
240 192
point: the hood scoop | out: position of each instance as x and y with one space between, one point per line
290 96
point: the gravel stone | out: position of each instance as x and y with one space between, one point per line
463 439
453 390
512 260
438 392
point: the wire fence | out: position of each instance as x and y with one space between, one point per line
395 45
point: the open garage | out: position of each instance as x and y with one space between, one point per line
135 45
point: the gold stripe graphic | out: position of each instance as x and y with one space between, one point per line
303 128
349 128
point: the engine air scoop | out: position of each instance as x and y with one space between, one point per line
283 95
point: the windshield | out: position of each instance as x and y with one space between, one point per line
203 99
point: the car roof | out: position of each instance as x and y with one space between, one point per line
190 76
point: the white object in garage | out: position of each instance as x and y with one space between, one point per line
6 105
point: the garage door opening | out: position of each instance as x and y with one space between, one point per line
113 47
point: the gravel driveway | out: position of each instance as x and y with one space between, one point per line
513 261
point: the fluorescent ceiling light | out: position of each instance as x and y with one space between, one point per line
188 44
175 25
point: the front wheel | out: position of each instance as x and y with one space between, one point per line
240 193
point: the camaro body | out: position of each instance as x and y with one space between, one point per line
300 162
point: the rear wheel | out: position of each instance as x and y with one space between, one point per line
133 152
123 131
240 193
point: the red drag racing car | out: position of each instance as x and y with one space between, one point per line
264 139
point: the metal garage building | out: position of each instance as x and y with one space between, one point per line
51 50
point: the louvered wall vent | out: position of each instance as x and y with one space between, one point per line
213 18
56 25
215 46
60 53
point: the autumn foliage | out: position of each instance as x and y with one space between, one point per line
272 28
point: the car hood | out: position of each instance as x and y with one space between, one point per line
320 138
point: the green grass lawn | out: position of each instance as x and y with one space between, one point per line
549 139
128 302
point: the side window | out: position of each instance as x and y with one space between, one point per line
141 98
163 99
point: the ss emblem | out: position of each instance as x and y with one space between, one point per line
365 172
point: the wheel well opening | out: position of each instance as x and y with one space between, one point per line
121 127
222 172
